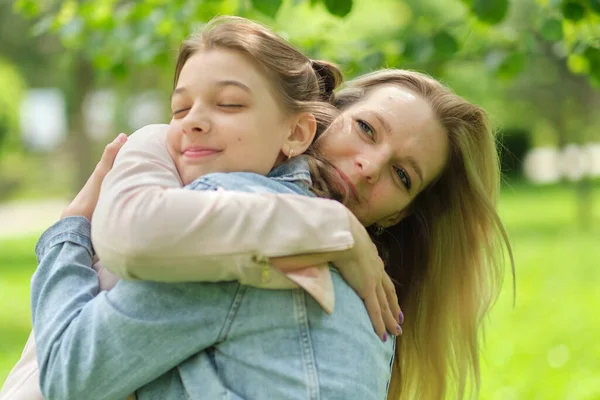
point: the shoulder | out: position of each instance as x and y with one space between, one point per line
154 132
244 182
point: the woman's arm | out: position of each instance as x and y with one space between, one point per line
146 227
88 342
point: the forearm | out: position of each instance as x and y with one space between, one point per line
85 345
146 227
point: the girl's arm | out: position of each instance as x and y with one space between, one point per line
146 227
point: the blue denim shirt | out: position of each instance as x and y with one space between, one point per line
197 340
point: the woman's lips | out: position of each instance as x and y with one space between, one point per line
351 186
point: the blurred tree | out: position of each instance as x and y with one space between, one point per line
544 52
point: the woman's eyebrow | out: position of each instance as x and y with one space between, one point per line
383 122
415 165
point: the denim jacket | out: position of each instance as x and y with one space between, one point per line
197 340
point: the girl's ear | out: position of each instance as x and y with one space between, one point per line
301 136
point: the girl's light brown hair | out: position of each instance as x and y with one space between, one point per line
301 84
446 257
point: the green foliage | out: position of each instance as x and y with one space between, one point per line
13 86
552 29
341 8
573 11
116 35
594 6
267 7
490 11
445 45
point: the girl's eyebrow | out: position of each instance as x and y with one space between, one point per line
232 82
178 91
222 83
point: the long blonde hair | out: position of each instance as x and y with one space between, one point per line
447 255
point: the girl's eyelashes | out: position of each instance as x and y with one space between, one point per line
231 105
403 176
176 112
366 128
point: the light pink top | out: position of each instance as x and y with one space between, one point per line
146 227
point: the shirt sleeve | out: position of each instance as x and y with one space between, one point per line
147 227
86 345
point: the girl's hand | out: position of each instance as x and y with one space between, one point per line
362 268
85 201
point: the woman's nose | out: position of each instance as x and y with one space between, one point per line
370 168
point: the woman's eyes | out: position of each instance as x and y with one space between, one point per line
401 172
404 178
366 128
228 105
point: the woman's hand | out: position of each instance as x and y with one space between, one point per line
85 201
364 271
362 268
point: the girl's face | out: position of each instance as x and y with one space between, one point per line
388 147
225 117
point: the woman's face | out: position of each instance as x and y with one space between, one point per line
388 147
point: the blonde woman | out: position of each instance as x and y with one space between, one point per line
421 169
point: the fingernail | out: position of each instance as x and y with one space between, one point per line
121 138
399 330
385 337
401 318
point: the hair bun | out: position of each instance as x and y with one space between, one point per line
330 78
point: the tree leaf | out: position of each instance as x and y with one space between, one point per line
267 7
445 45
593 56
573 11
552 29
418 49
341 8
29 8
594 5
490 11
512 65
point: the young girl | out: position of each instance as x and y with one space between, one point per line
227 117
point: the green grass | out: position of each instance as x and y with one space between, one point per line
17 264
545 347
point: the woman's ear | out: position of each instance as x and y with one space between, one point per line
394 219
302 134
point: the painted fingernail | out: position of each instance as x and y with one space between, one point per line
385 337
399 330
401 318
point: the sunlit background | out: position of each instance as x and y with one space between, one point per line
73 74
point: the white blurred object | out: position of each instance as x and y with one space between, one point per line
147 108
573 162
593 155
43 119
541 165
99 113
